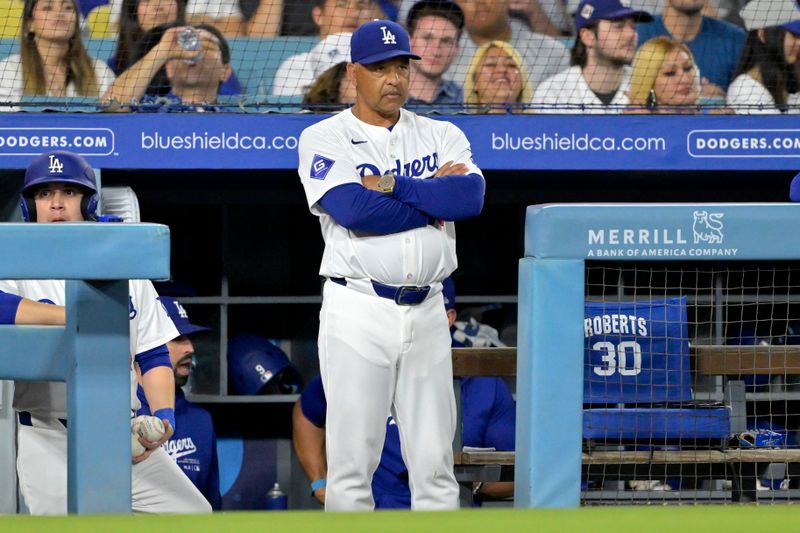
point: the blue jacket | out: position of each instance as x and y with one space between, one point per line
193 445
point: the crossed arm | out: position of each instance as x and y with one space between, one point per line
453 195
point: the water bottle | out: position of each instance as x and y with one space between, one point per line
189 39
277 499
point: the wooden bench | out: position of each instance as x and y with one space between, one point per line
732 362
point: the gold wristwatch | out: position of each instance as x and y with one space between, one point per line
386 183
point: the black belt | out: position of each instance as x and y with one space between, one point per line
25 419
404 295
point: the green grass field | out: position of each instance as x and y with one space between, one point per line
707 519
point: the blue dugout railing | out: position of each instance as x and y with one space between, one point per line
558 241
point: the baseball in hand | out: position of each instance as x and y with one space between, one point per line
137 448
149 428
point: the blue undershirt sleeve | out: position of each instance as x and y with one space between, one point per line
452 198
9 303
158 356
357 208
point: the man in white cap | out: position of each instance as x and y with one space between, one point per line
336 20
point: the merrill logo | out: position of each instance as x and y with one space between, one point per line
707 227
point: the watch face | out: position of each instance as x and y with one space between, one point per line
386 183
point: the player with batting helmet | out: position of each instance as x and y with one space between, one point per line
60 186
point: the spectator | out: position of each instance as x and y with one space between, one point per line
716 45
496 80
52 59
198 82
488 20
598 80
336 20
435 28
193 446
547 17
137 17
664 77
226 15
137 20
765 71
488 420
131 86
332 90
266 19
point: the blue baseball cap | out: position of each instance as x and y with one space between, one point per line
590 11
179 316
379 40
792 27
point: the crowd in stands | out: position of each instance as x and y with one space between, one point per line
478 56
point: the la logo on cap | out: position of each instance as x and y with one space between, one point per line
388 37
181 311
56 166
587 11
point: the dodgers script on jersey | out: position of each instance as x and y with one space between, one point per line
341 150
149 327
636 351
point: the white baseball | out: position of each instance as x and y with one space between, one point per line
150 428
137 448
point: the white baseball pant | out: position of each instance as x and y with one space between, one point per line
378 357
158 484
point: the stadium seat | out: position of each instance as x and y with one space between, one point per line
11 16
100 24
637 355
256 60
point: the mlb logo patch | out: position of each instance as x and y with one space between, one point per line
320 166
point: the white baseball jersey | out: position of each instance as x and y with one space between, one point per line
745 91
567 90
150 327
341 150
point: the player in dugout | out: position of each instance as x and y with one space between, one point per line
193 446
60 186
488 421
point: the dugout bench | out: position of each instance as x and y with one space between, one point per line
740 465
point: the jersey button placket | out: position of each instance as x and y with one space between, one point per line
409 257
391 146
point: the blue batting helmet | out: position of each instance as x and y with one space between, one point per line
59 166
256 366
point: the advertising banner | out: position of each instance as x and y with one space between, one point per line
513 142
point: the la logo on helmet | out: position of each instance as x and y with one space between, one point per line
56 166
388 37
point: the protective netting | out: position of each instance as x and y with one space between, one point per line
479 56
691 393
